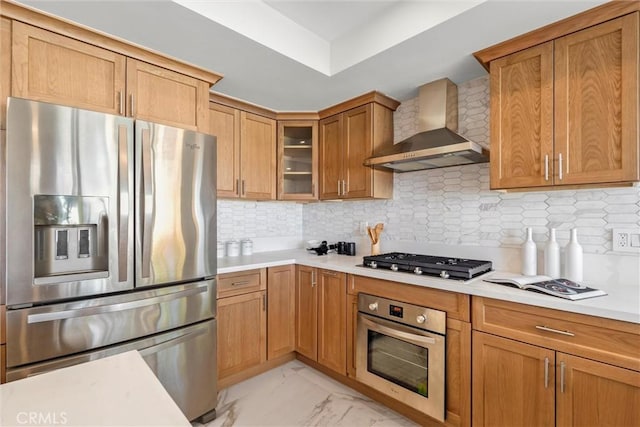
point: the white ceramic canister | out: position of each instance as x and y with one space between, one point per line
529 255
220 249
552 256
247 246
573 258
233 248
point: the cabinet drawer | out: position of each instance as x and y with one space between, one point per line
610 341
231 284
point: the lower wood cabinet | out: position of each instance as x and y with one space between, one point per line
544 369
256 322
3 362
321 310
281 311
242 332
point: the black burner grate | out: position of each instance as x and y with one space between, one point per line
456 268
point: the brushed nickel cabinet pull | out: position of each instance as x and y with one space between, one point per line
546 167
313 278
329 273
338 187
557 331
238 187
121 103
243 189
344 188
562 366
560 166
546 372
264 302
240 283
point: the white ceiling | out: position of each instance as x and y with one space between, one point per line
305 55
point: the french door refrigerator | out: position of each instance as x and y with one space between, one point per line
111 246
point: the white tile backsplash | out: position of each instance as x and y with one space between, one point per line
452 207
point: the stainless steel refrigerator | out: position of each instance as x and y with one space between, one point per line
111 246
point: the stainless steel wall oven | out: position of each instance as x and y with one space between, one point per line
400 351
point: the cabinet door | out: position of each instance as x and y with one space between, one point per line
164 96
522 119
257 157
225 125
352 328
330 162
596 102
52 68
594 393
241 333
357 145
332 321
306 312
513 383
297 160
281 311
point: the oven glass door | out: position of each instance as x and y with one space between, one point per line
401 362
405 363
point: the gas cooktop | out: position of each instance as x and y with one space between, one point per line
447 268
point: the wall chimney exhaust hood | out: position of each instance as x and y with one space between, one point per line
437 143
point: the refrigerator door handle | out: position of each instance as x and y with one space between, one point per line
123 204
156 348
91 311
146 202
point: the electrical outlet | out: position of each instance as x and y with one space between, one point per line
626 240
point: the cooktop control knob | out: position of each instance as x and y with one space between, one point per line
417 270
373 264
373 306
421 319
444 274
394 267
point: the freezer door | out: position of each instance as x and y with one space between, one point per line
57 330
175 204
184 360
69 202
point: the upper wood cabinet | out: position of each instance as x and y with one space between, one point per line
246 153
225 125
346 140
257 157
566 112
50 67
164 96
53 68
297 160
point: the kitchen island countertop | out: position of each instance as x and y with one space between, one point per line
621 302
120 390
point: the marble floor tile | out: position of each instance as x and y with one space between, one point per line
297 395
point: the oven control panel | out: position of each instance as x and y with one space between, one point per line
402 312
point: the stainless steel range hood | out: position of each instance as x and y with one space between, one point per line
437 143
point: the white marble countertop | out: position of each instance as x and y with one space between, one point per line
120 390
621 303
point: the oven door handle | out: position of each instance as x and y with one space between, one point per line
416 339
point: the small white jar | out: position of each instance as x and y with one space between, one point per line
247 247
233 248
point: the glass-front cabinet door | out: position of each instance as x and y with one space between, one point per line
297 160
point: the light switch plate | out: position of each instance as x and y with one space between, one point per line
626 240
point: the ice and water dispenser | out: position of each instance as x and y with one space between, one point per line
70 236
